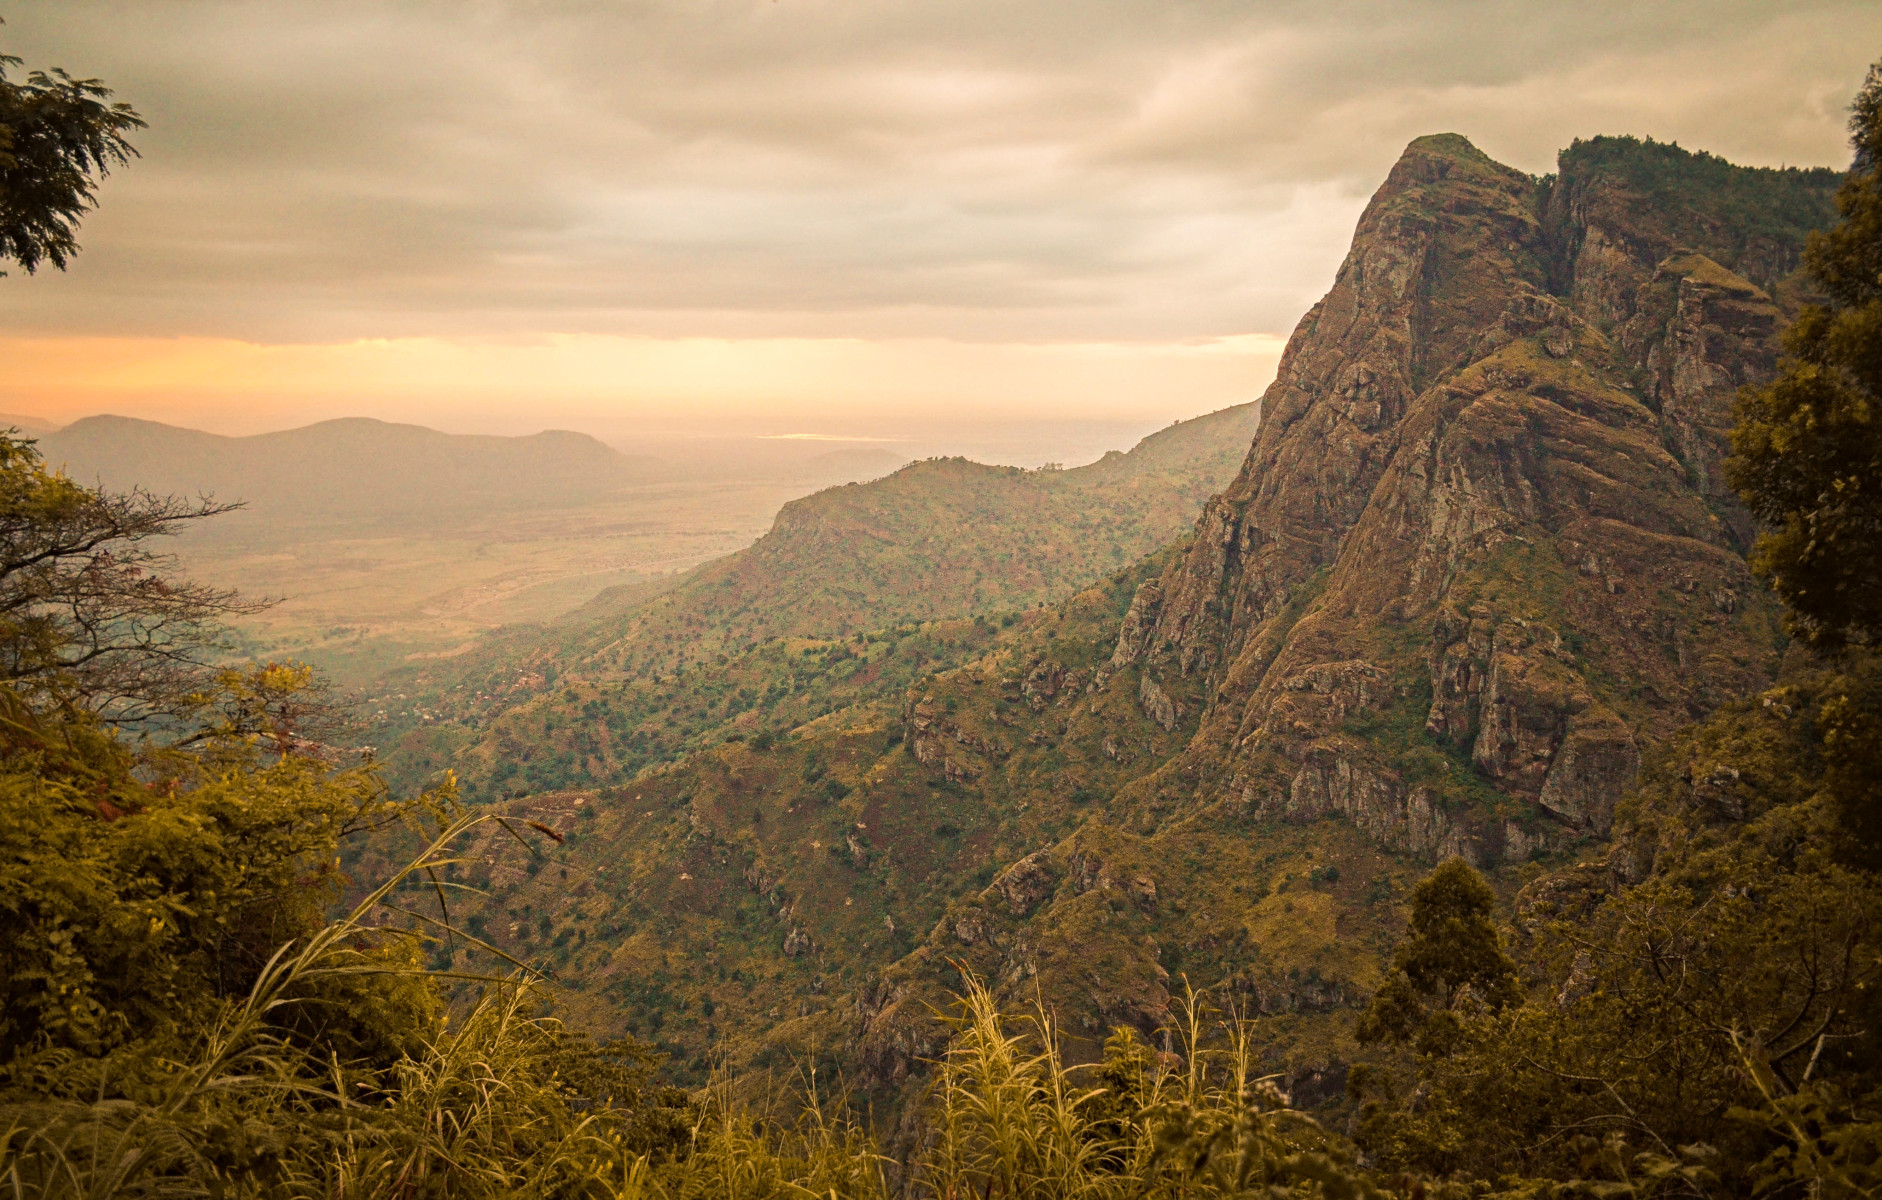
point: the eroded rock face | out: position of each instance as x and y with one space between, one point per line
1596 761
1483 523
1479 560
1156 702
1027 882
942 744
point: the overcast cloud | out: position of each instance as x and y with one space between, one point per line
1006 170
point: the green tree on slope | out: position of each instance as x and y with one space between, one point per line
1452 951
1808 462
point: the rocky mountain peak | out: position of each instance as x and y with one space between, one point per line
1479 500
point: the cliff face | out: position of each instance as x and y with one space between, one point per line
1485 507
1479 560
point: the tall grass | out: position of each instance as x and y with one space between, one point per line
1011 1119
490 1105
247 1108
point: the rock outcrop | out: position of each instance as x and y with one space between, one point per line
1486 505
1479 561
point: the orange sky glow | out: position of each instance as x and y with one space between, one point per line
611 385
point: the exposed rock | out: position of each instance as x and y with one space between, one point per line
1568 894
1024 884
1456 442
1143 890
1527 704
971 927
1272 996
1156 702
1580 980
938 742
1139 620
1411 819
796 942
1594 766
1715 790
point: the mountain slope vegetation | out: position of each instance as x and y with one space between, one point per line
938 539
1480 563
844 579
1476 596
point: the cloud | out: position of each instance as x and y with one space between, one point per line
979 170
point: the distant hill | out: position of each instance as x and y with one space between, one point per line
941 538
346 469
29 426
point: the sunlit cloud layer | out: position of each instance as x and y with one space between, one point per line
339 173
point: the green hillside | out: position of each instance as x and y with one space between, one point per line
828 608
939 538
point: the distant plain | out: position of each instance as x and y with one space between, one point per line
382 544
361 600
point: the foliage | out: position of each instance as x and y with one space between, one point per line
1696 200
1453 952
58 136
1010 1118
506 1103
591 733
1639 1032
1808 445
133 911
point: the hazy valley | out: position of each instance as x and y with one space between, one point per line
383 542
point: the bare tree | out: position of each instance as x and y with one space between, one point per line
91 616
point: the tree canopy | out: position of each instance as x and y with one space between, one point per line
90 614
58 137
1808 446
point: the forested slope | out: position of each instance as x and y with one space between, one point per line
827 608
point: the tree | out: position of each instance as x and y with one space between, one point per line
58 137
1808 462
89 616
1452 946
1808 446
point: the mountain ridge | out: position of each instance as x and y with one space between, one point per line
939 541
827 552
345 466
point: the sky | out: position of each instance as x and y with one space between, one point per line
895 219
